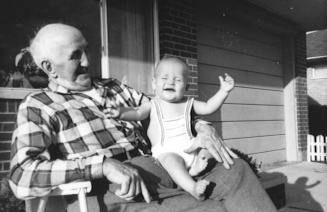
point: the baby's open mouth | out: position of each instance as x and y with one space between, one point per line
169 89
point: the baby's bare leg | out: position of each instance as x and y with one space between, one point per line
175 166
200 162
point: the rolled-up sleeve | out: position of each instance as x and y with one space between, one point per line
33 172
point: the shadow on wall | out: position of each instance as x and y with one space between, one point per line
317 118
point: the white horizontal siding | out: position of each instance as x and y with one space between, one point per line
252 118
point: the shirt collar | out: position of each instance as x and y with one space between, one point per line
57 88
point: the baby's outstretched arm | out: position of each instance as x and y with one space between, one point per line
214 103
128 113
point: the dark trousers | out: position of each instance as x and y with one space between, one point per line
233 190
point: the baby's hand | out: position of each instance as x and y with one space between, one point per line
112 109
112 112
226 84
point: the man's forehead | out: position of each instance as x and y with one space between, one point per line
60 35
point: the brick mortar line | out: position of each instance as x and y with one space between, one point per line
177 36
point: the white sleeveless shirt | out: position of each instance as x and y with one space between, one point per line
170 135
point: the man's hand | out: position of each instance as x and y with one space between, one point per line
131 183
208 138
226 84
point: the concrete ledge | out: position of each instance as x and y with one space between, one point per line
15 93
269 180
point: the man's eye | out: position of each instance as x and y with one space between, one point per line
76 55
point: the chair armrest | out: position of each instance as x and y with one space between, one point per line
72 188
79 188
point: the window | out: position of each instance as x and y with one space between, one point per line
21 19
129 32
131 42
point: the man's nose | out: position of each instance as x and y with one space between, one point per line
84 60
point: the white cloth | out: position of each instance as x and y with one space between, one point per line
171 135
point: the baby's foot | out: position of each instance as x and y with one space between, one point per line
200 163
199 189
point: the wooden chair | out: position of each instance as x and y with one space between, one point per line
57 203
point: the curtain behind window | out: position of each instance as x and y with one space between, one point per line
131 42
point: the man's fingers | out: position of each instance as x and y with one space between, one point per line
220 153
225 157
213 151
145 192
124 188
127 198
231 153
223 153
217 144
132 189
137 188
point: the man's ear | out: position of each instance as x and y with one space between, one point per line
47 67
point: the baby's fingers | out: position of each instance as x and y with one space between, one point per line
221 79
111 112
228 77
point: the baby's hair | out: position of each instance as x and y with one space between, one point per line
172 59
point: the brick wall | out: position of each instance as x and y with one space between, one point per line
301 93
177 35
8 110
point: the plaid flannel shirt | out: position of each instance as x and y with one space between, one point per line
72 124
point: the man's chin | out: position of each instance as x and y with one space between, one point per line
82 77
82 83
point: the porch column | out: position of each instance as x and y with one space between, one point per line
295 97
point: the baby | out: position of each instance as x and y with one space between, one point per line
169 130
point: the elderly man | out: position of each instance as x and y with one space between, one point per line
62 135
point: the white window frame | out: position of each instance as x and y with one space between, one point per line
105 70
